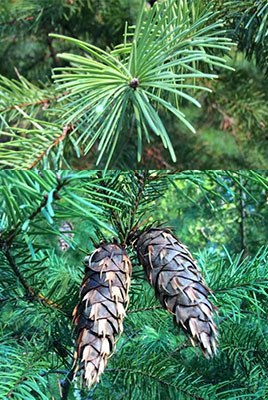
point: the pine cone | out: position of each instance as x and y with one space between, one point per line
174 274
99 315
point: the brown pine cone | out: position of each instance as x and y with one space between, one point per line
99 315
178 284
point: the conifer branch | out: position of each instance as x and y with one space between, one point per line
142 179
29 290
156 378
241 285
67 129
31 293
43 102
242 212
17 229
65 385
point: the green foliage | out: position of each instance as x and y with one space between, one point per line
220 215
151 71
19 372
131 104
249 23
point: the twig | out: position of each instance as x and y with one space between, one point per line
65 385
22 105
242 212
6 244
66 130
29 290
161 381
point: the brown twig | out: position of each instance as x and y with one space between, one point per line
30 292
28 104
66 130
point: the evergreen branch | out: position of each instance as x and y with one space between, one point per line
38 126
156 378
65 385
155 71
44 102
31 293
10 394
22 93
242 211
67 129
29 290
250 285
21 363
61 183
115 217
142 179
27 148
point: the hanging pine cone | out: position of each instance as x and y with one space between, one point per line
99 315
174 275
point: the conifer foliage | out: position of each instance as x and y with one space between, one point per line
108 82
220 215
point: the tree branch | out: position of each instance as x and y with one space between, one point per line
66 130
154 377
65 385
29 290
242 212
7 243
44 102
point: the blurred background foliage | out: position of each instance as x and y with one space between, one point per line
220 215
231 125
